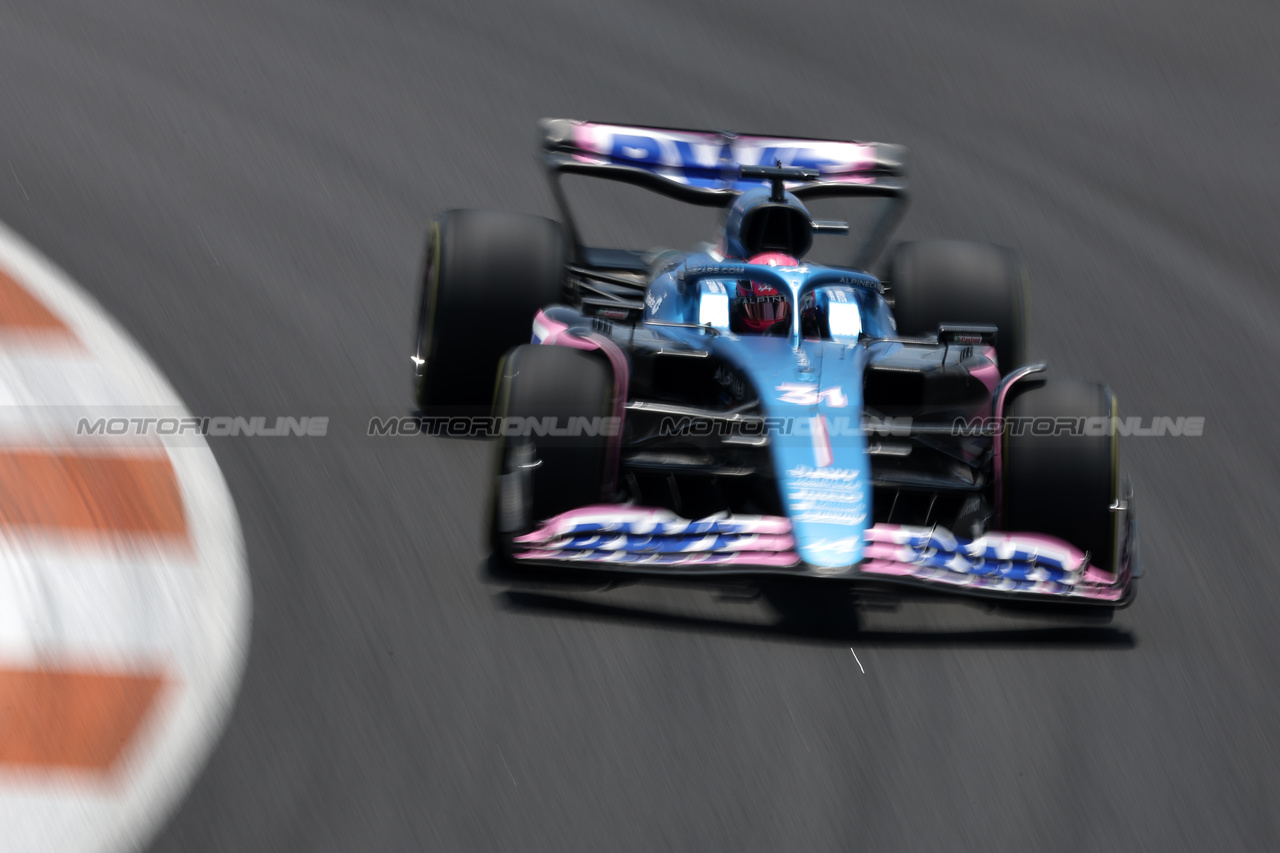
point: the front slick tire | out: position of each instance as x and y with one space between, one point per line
1063 485
542 475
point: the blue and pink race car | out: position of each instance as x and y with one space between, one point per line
736 412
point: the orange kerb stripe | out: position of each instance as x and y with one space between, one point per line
80 720
130 494
20 310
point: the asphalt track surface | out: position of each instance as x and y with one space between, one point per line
245 185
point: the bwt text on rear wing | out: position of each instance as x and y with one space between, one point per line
703 167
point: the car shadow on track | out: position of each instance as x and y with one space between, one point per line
823 628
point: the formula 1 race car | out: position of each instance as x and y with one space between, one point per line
735 413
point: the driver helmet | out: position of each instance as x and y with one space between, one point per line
759 308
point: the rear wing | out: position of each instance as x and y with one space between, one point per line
702 167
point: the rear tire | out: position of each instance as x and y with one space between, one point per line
549 382
955 281
1064 485
485 275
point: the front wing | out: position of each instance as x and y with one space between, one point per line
641 541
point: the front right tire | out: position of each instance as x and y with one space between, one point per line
1063 485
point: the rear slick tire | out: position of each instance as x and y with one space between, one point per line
485 276
956 281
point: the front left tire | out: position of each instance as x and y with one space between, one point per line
1063 485
539 476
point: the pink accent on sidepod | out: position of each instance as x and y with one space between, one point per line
987 374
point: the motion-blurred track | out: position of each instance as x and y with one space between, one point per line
245 184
